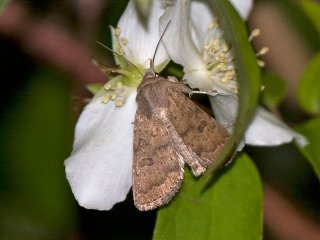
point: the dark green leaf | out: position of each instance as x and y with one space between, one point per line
311 130
274 90
312 9
309 87
230 209
248 72
36 129
297 20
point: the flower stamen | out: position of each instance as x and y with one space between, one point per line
115 91
263 51
255 33
218 59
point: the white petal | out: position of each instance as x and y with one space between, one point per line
177 38
225 108
243 7
267 130
142 37
99 168
201 15
183 38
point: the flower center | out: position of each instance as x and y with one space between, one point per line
219 60
129 75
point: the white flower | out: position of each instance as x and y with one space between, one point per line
99 169
194 40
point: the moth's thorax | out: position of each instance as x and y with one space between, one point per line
150 77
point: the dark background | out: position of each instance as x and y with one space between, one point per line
46 49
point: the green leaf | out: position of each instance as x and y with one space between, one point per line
311 130
248 73
312 9
143 7
309 87
230 209
37 202
274 90
297 19
94 88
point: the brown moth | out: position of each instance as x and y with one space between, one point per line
169 131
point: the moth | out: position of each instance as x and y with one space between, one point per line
170 130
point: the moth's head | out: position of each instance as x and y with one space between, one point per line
150 73
150 76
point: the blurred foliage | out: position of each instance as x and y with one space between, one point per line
227 210
311 130
3 4
274 90
298 20
36 202
312 10
36 128
309 87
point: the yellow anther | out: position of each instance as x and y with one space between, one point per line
212 25
222 67
224 79
117 32
107 86
120 51
263 51
216 43
113 96
222 58
106 98
230 75
255 33
261 63
119 84
119 102
225 47
124 41
206 46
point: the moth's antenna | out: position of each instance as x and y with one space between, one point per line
114 52
158 44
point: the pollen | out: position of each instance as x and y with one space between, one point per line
120 51
212 25
113 96
119 102
218 58
119 84
263 51
105 99
255 33
116 92
124 41
117 32
107 86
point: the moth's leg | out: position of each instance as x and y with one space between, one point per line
211 92
196 164
186 152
